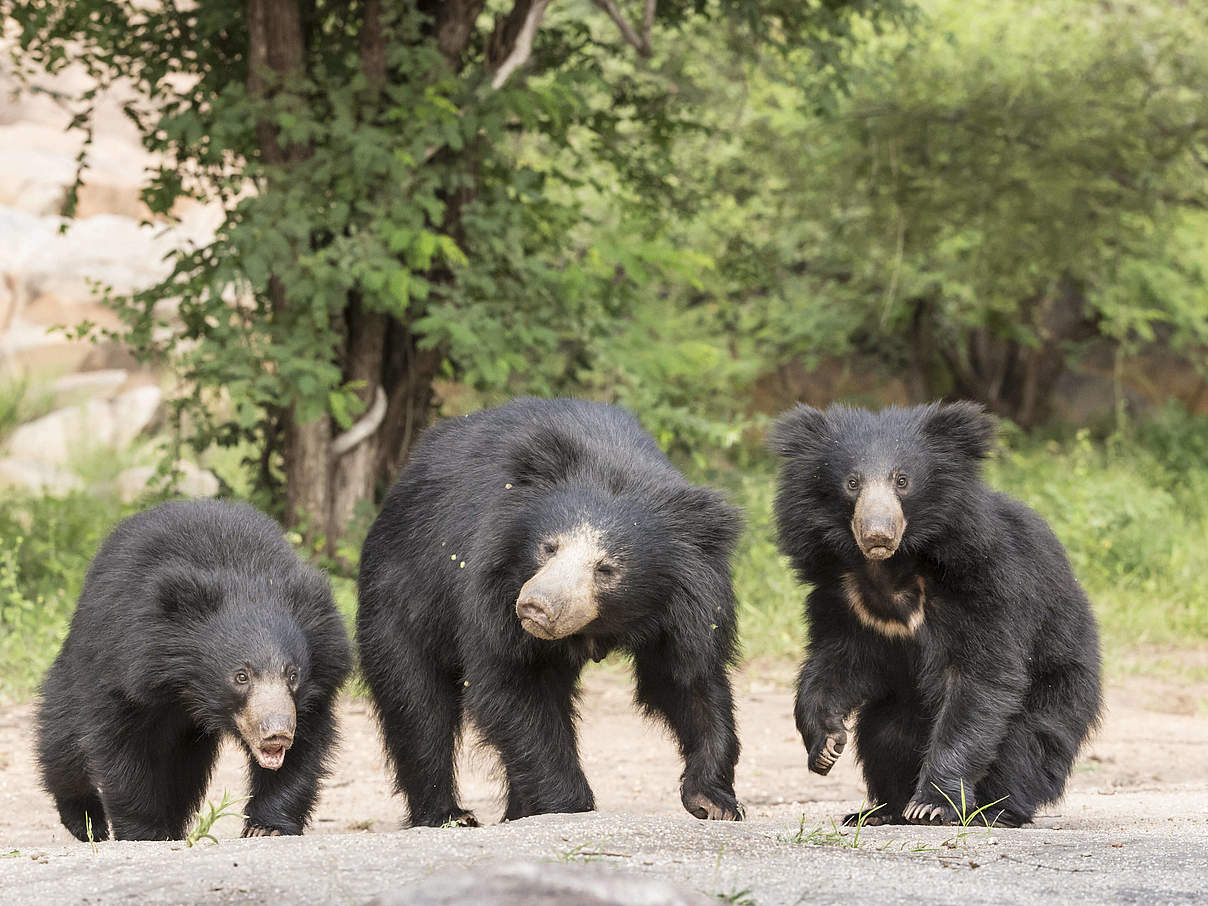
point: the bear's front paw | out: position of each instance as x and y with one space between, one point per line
930 808
716 806
253 830
824 738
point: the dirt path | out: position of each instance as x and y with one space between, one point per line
1147 768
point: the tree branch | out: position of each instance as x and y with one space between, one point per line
641 42
522 46
364 427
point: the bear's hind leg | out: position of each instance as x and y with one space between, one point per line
890 736
1035 760
65 777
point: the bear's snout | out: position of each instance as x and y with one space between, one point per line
560 598
537 611
878 523
267 722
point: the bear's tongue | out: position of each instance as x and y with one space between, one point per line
271 757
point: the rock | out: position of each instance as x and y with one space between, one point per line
192 482
55 438
37 478
546 884
134 412
38 167
89 384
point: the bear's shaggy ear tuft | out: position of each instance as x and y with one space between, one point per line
704 516
799 430
543 457
185 591
965 426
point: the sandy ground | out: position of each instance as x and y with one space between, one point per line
1143 782
1150 755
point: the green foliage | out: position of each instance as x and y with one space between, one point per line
503 231
1132 515
20 401
1003 188
45 547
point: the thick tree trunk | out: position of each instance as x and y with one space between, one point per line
276 58
326 482
354 474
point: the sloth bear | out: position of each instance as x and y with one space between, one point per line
518 543
196 620
944 614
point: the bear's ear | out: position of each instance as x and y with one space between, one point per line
800 430
964 426
186 592
703 515
543 457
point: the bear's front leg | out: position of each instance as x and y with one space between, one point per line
829 687
528 714
695 700
973 719
282 800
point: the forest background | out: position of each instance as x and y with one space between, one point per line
700 210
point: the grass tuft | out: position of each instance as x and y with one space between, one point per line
207 820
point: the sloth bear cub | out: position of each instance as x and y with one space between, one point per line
945 615
517 544
197 620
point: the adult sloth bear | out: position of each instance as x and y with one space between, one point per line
945 614
196 620
518 543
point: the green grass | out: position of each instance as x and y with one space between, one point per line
45 547
227 808
21 401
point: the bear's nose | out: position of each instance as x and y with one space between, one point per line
278 728
878 533
535 609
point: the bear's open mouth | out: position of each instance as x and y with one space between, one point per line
271 757
879 552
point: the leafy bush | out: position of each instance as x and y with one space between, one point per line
45 547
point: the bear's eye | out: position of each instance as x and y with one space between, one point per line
293 677
903 482
549 548
241 678
605 570
853 483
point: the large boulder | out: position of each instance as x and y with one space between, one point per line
56 438
37 478
191 481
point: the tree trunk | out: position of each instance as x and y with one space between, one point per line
354 475
276 59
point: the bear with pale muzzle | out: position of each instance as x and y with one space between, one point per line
944 617
196 621
518 544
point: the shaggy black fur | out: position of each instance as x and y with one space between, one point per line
998 686
439 640
176 602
